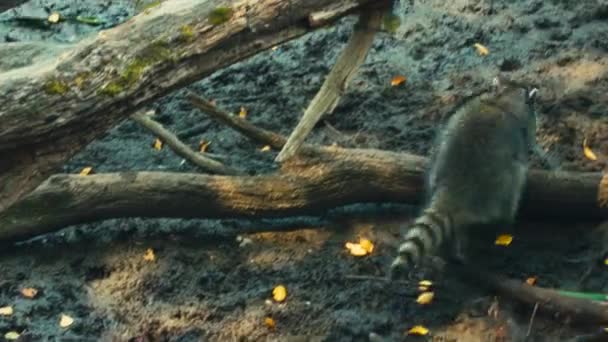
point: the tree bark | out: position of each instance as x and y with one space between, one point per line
53 108
305 185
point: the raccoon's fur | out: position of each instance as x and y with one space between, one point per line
477 173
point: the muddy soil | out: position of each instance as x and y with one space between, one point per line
204 285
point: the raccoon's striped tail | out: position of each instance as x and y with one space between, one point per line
425 237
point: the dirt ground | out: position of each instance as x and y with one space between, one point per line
205 286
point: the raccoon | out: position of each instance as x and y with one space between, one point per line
477 174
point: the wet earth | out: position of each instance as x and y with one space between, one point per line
205 284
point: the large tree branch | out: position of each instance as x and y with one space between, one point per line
320 179
312 185
51 109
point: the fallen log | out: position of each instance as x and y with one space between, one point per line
320 178
54 107
329 178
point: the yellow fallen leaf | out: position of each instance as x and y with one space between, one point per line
158 144
531 281
149 255
425 298
54 18
6 311
65 321
397 80
270 323
366 244
602 194
203 145
504 240
356 249
86 171
587 151
243 113
279 293
426 283
418 330
606 261
11 335
29 292
265 148
423 288
481 50
274 48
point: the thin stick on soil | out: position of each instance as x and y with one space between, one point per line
366 277
532 320
546 300
376 278
180 148
337 80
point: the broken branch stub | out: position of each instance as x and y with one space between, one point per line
328 97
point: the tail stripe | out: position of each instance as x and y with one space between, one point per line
405 252
418 241
410 251
423 230
444 222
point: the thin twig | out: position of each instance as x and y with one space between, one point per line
244 127
365 277
551 300
376 278
180 148
532 320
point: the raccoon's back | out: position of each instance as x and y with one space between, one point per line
478 164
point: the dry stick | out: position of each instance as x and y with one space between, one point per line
243 126
336 82
548 300
260 135
531 320
180 148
